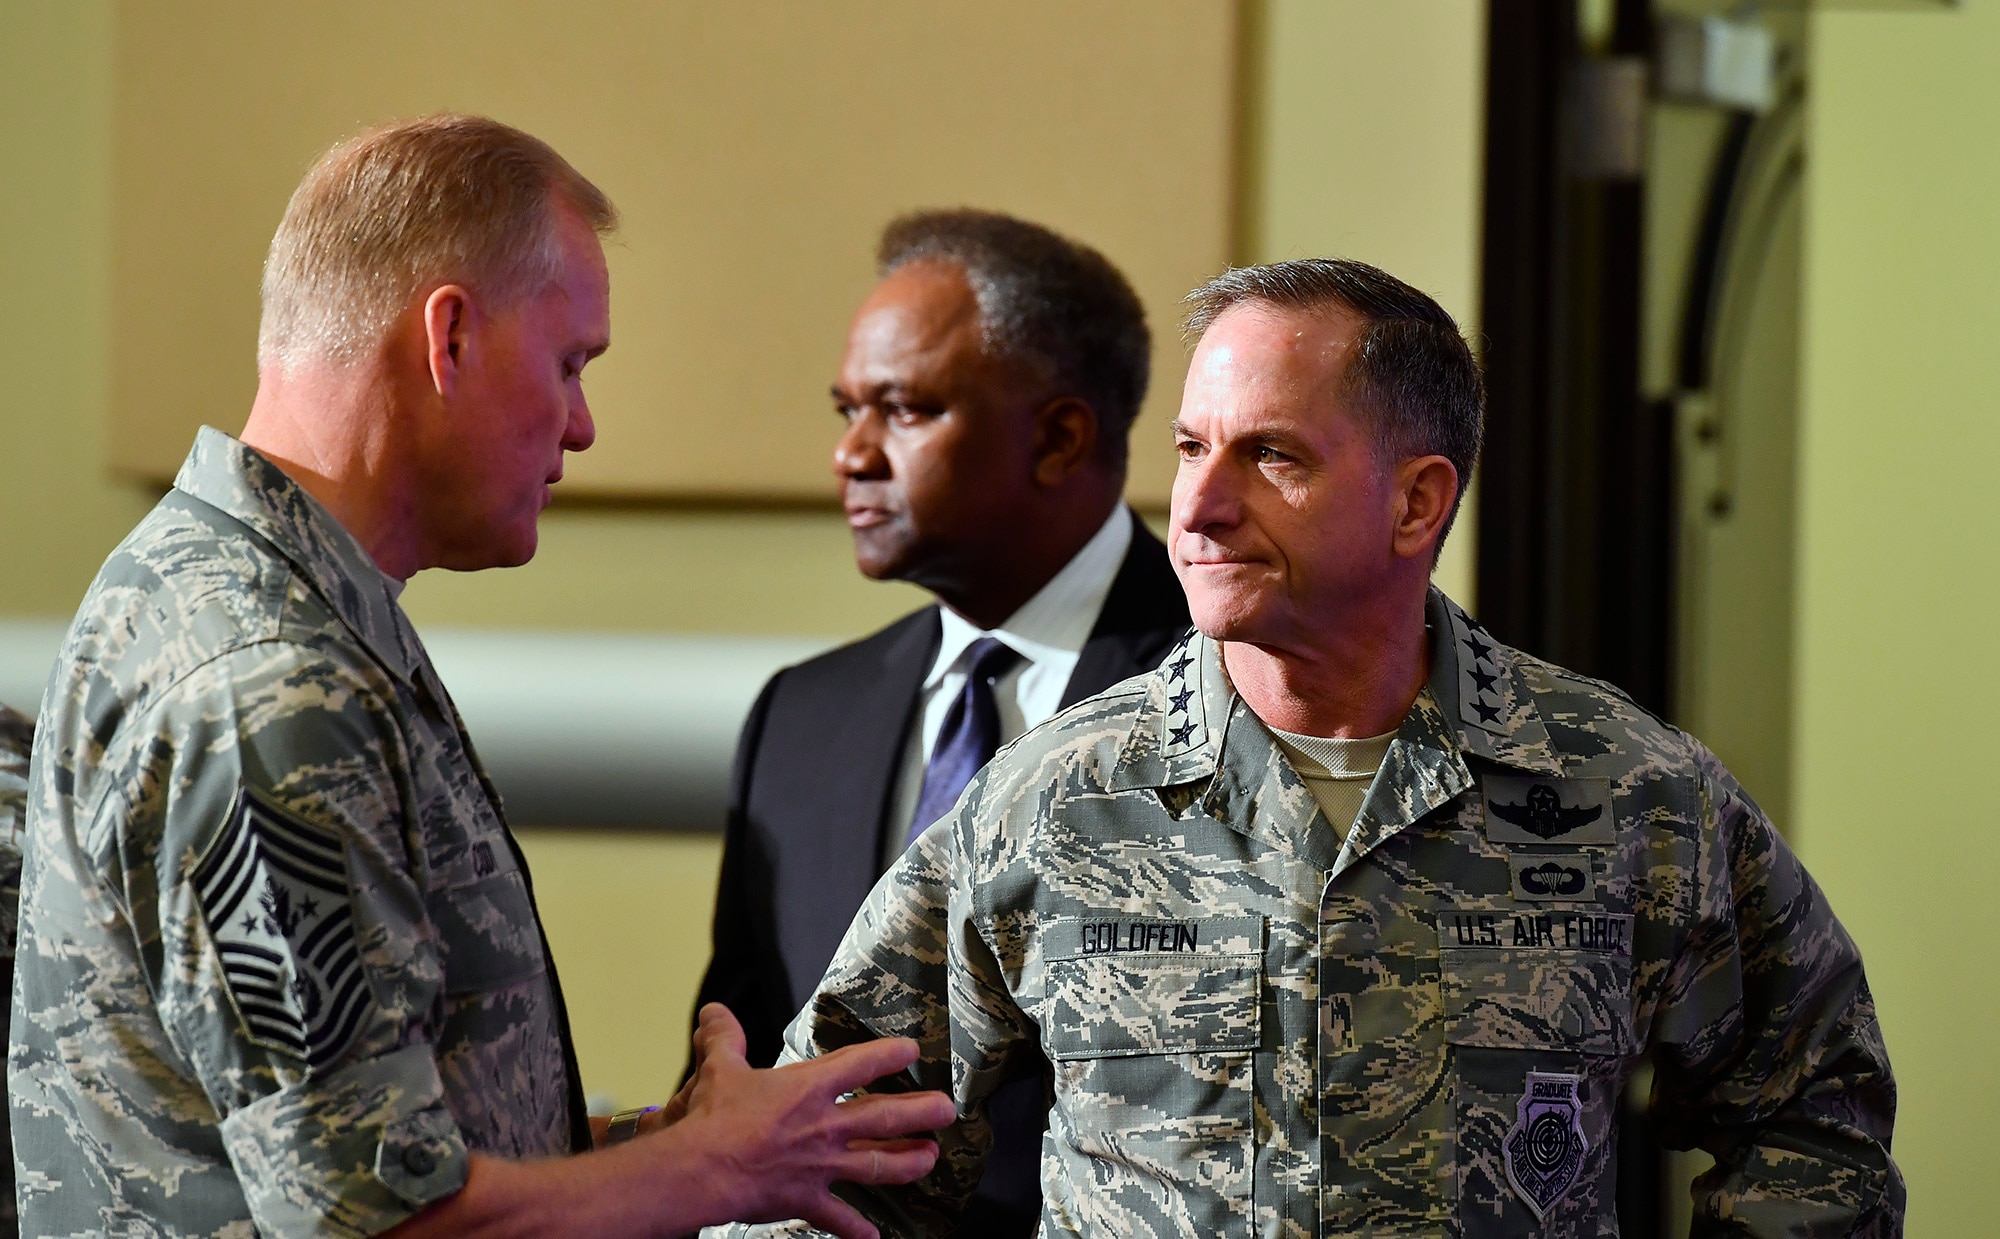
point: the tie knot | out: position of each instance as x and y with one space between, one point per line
991 658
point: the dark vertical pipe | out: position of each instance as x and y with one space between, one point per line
1529 41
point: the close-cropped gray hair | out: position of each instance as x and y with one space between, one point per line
441 199
1050 303
1413 373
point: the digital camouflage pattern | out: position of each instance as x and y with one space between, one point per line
280 967
1256 1028
17 737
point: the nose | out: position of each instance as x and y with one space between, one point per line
859 454
581 431
1205 495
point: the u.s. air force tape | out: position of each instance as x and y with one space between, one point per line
1534 929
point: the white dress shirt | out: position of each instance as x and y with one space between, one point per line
1048 632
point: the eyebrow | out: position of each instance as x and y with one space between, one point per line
869 393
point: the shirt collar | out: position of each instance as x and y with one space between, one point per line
235 479
1057 621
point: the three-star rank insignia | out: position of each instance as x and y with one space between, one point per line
1545 1149
1186 726
1527 809
273 889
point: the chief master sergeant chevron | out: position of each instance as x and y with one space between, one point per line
1347 919
280 971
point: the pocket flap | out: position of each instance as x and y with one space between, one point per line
1104 1006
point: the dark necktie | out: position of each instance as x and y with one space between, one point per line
970 733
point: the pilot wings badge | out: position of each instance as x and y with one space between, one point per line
273 889
1531 810
1545 1149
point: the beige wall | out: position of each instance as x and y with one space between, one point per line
1366 120
1899 561
755 150
59 510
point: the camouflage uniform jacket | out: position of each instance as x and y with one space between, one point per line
17 736
1253 1027
280 964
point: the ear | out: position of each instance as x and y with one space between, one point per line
447 324
1065 440
1426 487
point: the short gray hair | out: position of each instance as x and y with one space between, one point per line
417 203
1053 304
1413 373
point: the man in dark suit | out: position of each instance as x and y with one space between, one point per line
988 391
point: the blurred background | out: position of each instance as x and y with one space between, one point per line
1732 269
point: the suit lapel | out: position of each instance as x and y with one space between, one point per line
1144 614
884 710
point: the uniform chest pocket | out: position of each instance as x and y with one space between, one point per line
489 933
1538 1017
1152 1028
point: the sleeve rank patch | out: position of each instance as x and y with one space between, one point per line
273 889
1543 876
1525 809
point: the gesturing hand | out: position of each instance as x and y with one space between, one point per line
774 1141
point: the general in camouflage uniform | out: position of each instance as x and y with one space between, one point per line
1256 1028
279 965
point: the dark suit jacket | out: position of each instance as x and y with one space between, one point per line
815 777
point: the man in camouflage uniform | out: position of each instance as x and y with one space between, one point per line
1416 1018
280 971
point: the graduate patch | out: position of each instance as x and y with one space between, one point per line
1545 1149
273 889
1538 810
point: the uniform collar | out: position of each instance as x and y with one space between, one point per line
223 473
1481 688
1194 727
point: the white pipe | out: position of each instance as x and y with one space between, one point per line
576 730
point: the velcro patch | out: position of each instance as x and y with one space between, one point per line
273 888
1542 876
1525 809
1531 929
